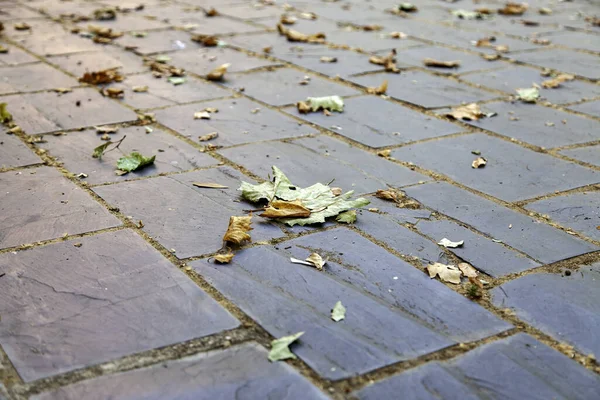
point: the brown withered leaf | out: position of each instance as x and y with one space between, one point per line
595 21
491 57
286 209
237 231
381 89
384 153
390 195
62 90
528 22
211 12
104 32
556 81
398 197
316 260
326 59
513 9
287 19
166 69
303 107
22 26
106 129
268 49
218 73
102 40
336 191
543 42
209 185
146 118
470 112
295 36
357 27
114 93
397 35
101 77
430 62
208 136
206 40
479 162
223 258
105 14
388 62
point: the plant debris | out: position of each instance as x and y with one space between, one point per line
397 35
326 59
104 33
5 116
140 89
209 185
202 115
318 198
237 231
470 112
224 258
105 14
162 68
134 161
295 36
287 19
388 62
338 312
218 73
208 136
466 14
280 347
114 93
22 26
103 148
513 9
450 244
106 129
317 261
529 95
347 217
314 104
556 81
286 209
211 12
468 270
176 80
447 273
102 77
206 40
381 89
398 197
479 162
430 62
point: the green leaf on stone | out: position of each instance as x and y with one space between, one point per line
280 347
134 161
176 80
529 95
465 14
162 58
5 116
406 7
338 312
139 34
330 103
347 217
99 151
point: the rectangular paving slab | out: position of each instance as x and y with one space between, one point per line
541 242
531 367
14 153
184 218
590 155
40 204
591 108
241 372
387 319
565 307
375 122
55 44
467 62
572 62
81 302
28 78
512 172
15 56
109 57
347 62
157 42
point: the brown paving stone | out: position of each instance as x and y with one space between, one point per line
238 121
15 56
172 154
66 307
41 204
49 112
108 57
182 217
14 153
33 77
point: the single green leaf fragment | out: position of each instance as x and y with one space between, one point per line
99 151
139 34
338 312
5 116
176 80
466 14
280 349
347 217
134 161
529 95
330 103
162 58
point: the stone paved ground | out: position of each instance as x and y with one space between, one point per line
107 285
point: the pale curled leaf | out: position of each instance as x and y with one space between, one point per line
468 270
237 231
302 262
479 162
316 260
338 312
447 273
209 185
280 347
450 244
331 103
286 209
202 115
470 112
528 95
224 258
381 89
208 136
430 62
218 73
176 80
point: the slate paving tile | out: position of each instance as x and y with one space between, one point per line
15 56
281 87
40 204
15 12
572 62
348 62
242 372
56 44
66 307
422 89
541 242
182 217
352 168
589 155
591 108
238 121
512 172
286 298
369 41
375 122
250 11
512 78
27 78
278 46
484 254
110 57
576 40
532 368
511 26
131 22
537 125
565 307
162 93
468 62
14 153
399 214
578 211
172 154
49 112
39 28
157 42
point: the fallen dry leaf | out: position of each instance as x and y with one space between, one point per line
286 209
303 107
595 21
513 9
287 19
101 77
162 68
555 82
397 35
468 270
206 40
491 57
202 115
105 14
104 32
308 15
224 258
208 136
237 231
268 49
388 62
114 93
211 12
390 195
447 273
62 90
336 191
326 59
398 197
316 260
381 89
479 162
106 129
22 26
384 153
218 73
295 36
140 89
470 112
450 244
430 62
209 185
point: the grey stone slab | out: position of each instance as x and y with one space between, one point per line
348 62
66 307
109 57
131 22
282 86
537 125
534 370
506 25
278 45
162 93
369 41
39 28
182 217
512 78
387 319
493 258
512 172
202 61
49 112
12 12
14 153
251 11
565 307
577 40
15 56
236 122
58 43
582 64
422 89
240 372
27 78
41 204
591 108
172 154
541 242
157 42
399 214
578 211
589 155
308 161
375 122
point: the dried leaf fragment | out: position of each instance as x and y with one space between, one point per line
224 258
106 129
62 90
202 115
468 270
316 260
450 244
206 40
209 185
22 26
384 153
287 19
3 49
470 112
208 136
331 103
237 231
105 14
114 93
280 347
303 107
295 36
218 73
447 273
466 14
211 12
479 162
397 35
326 59
528 95
101 77
140 89
388 62
104 32
176 80
381 89
430 62
555 82
338 312
286 209
513 9
347 217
